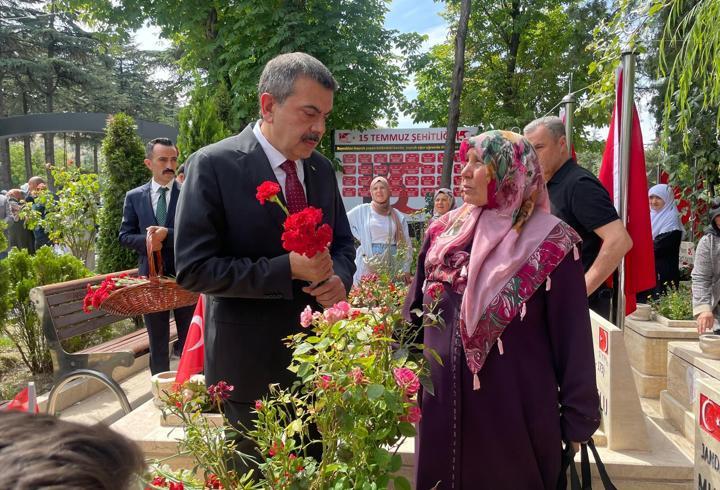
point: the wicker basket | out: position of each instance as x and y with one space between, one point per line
159 294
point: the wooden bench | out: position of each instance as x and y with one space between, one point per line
59 307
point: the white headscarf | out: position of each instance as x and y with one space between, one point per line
668 218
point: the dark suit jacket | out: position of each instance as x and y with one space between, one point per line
138 214
228 246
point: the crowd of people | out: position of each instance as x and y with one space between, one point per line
521 261
17 233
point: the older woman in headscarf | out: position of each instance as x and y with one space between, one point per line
518 374
667 232
443 202
382 232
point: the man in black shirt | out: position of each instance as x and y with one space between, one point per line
578 198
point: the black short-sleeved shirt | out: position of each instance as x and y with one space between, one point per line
578 198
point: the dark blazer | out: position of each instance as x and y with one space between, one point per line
228 246
138 214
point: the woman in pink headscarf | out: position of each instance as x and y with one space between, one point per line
518 372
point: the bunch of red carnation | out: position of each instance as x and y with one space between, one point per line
305 233
95 295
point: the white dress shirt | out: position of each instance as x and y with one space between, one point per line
276 159
155 195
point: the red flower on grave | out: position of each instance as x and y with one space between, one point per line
220 391
213 481
305 233
267 191
176 486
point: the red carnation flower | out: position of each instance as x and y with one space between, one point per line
304 233
267 191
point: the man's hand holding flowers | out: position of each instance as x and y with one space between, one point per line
307 239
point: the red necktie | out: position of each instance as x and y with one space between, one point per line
294 192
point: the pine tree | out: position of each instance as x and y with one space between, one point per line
201 122
123 170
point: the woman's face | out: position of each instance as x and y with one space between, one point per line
442 204
717 221
379 192
656 203
474 181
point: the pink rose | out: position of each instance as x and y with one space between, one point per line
435 290
407 380
306 317
324 382
413 415
357 375
259 405
338 311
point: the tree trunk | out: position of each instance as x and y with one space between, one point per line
27 153
457 85
508 95
95 157
27 150
77 150
5 169
49 106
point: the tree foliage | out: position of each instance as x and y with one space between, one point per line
229 42
687 40
123 169
202 121
520 57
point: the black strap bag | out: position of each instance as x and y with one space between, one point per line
568 461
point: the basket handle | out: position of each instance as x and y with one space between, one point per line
153 257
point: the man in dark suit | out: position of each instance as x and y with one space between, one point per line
150 210
228 245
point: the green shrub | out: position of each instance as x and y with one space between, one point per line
122 170
675 304
18 319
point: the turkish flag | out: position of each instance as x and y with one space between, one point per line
21 402
192 360
640 260
709 416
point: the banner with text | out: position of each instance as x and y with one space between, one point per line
410 159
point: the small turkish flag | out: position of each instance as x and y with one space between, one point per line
22 402
603 340
709 416
192 360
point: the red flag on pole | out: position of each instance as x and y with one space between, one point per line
192 360
640 260
21 403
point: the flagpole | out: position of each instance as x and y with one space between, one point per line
628 86
569 102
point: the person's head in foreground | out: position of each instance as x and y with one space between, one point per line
42 451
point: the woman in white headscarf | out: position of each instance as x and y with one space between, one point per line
667 232
382 232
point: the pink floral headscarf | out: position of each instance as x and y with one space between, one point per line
515 243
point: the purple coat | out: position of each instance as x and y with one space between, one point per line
542 390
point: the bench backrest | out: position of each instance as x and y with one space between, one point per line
60 309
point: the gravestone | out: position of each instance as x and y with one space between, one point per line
623 420
707 434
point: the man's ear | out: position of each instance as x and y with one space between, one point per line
148 163
267 106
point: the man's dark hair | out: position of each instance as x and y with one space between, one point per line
157 141
42 451
180 170
280 73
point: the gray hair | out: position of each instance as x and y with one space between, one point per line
279 75
554 124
